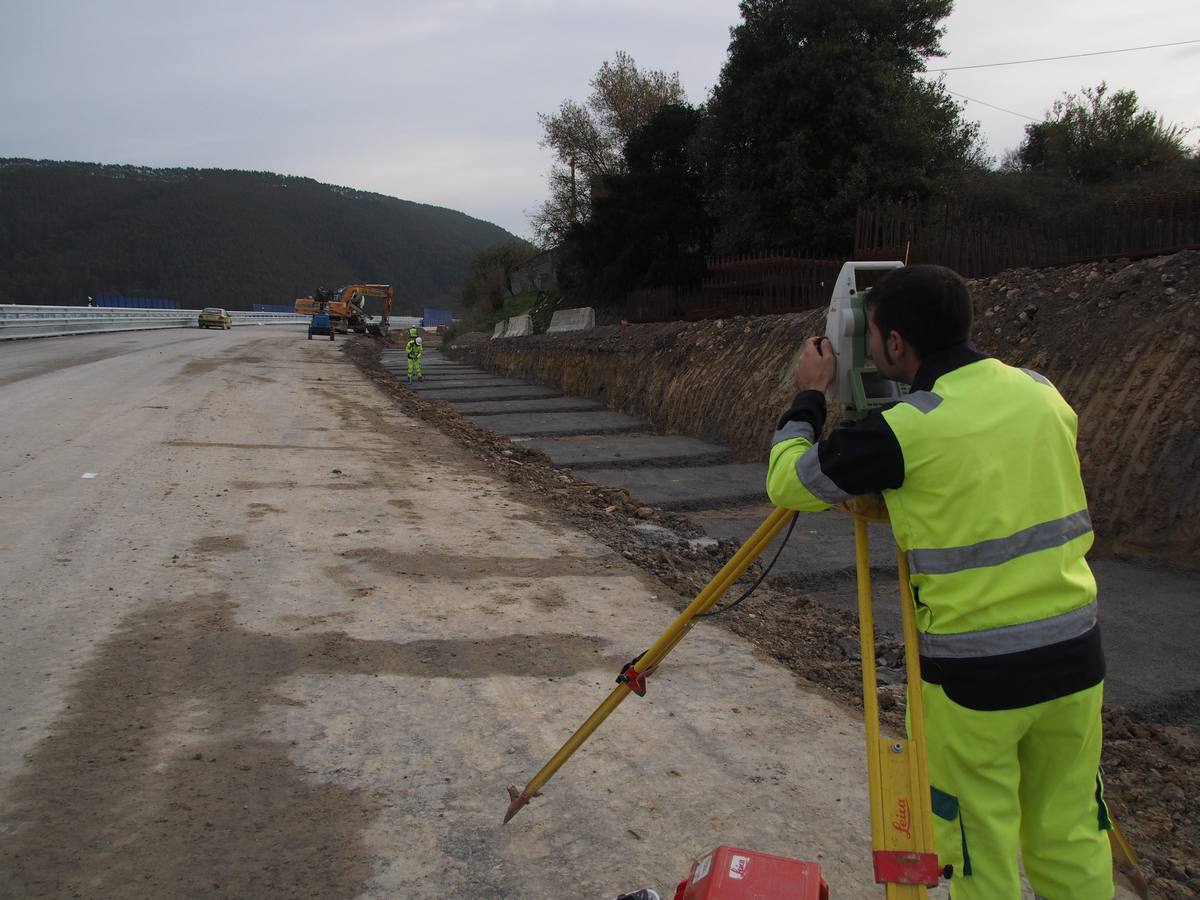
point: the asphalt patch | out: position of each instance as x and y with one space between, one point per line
260 510
219 544
429 566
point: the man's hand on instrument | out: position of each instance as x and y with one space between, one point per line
817 366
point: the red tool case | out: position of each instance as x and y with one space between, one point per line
728 873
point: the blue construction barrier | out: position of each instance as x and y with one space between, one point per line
435 317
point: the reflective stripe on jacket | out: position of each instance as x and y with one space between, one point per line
978 468
992 514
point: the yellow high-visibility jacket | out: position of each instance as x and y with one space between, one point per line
979 471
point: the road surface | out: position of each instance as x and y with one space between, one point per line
263 636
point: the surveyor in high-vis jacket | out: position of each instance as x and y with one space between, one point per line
413 350
978 468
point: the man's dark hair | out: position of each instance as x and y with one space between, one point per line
928 306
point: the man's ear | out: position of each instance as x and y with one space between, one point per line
895 343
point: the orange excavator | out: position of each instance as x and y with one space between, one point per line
347 307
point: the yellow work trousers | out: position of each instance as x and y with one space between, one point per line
414 366
1023 780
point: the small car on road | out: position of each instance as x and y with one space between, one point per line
214 317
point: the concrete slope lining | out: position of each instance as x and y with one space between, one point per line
526 405
483 392
688 487
454 382
611 444
562 423
613 451
1140 612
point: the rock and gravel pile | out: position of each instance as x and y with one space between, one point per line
1121 340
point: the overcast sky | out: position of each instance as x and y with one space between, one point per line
437 102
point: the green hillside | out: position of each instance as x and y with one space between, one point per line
216 237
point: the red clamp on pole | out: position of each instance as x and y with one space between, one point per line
906 867
635 679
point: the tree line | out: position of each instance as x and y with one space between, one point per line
819 107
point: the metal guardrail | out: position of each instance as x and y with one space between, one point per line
18 321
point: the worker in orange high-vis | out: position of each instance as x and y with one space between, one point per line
978 467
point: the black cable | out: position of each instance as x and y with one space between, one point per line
750 590
1021 62
622 678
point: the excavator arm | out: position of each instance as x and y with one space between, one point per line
362 291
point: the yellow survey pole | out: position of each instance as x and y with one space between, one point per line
866 641
919 757
634 674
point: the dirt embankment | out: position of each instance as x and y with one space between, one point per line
1119 339
1152 770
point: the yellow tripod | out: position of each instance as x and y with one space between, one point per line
897 771
633 678
901 825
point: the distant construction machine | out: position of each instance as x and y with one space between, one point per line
347 307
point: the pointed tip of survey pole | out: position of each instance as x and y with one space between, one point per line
517 799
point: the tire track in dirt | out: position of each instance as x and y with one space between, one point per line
130 795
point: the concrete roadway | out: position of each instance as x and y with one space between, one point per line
1150 630
251 645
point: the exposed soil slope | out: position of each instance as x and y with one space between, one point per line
1119 339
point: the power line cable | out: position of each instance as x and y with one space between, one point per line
1021 62
991 105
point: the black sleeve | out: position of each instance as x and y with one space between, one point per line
808 406
862 457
